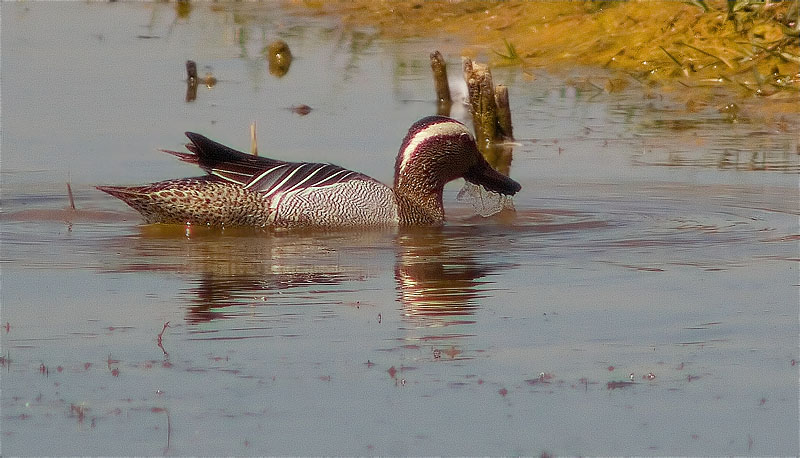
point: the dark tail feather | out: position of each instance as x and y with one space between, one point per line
185 157
209 155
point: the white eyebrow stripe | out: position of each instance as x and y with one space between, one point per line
439 128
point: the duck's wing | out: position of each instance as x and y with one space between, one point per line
261 174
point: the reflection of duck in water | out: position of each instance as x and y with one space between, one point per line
241 189
238 267
437 272
437 285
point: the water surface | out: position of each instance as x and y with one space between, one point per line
642 299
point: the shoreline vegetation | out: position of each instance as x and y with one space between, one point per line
727 55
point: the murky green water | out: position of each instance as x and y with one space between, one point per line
642 300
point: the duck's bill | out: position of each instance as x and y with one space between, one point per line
492 180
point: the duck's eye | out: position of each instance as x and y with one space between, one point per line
465 137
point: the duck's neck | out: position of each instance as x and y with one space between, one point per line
413 212
419 201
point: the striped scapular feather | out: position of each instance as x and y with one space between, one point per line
261 174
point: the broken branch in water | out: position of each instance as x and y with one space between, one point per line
191 70
191 81
253 140
439 68
503 111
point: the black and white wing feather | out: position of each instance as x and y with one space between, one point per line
292 176
261 174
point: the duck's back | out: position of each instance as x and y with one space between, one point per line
242 189
215 202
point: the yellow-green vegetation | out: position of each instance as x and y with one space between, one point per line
742 51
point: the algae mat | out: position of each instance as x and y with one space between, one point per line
736 52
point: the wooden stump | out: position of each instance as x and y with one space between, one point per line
491 114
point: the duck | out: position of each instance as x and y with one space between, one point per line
241 189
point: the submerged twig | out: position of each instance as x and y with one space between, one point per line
169 431
721 59
160 337
677 62
169 425
71 198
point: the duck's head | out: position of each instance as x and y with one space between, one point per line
437 150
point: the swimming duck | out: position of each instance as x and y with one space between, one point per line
245 190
